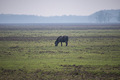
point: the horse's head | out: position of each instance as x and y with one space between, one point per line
56 43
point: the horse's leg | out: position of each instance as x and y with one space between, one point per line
61 43
66 43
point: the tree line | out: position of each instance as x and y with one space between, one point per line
104 17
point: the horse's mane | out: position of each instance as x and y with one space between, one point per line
58 38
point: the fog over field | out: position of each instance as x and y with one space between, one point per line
103 16
59 11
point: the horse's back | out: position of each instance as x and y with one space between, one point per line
62 39
65 38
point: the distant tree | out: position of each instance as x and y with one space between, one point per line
108 16
99 17
103 17
118 17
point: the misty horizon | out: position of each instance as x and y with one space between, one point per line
57 15
103 16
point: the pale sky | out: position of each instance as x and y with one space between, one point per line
56 7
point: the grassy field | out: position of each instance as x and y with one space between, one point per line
27 52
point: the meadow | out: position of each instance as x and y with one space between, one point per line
27 52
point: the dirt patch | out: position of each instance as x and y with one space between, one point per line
26 38
80 57
58 26
93 72
14 47
70 72
63 52
7 71
6 53
46 52
49 38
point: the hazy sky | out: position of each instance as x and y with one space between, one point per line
56 7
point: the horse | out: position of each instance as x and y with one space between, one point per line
61 39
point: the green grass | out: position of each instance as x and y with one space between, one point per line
96 56
38 33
